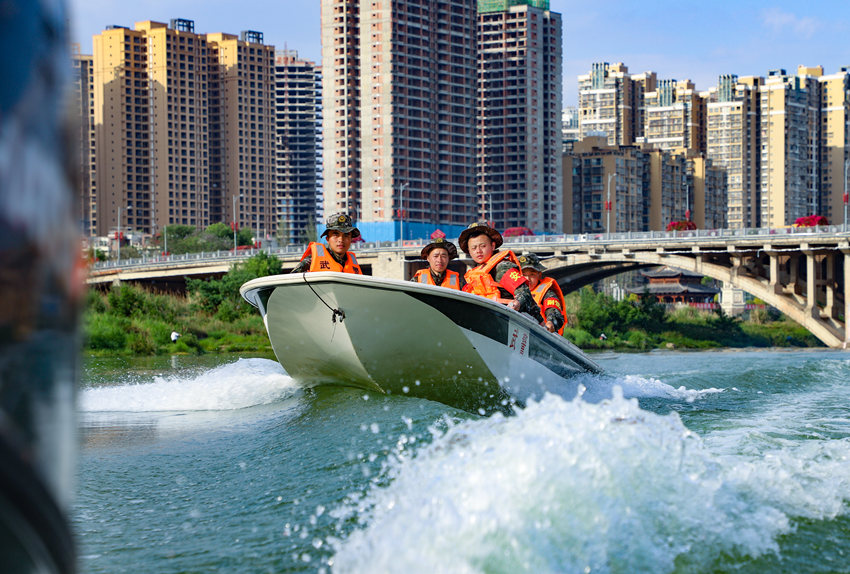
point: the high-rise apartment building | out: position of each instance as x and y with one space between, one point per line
122 130
605 187
82 67
399 108
297 140
790 146
706 192
835 144
606 103
242 131
642 84
670 197
519 91
182 124
732 143
673 117
177 183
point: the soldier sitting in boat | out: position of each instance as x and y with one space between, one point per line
546 292
438 253
340 231
497 274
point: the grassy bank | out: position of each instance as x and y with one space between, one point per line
212 317
145 328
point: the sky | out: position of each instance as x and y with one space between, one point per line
677 40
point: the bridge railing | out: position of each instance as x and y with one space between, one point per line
148 261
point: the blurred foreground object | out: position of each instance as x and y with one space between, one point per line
40 289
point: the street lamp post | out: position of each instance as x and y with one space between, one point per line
118 235
234 221
846 170
401 193
608 204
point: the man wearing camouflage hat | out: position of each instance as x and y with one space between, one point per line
339 230
546 292
438 253
497 274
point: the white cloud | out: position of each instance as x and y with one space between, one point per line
779 22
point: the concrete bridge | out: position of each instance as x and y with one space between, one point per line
803 272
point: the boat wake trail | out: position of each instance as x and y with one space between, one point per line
244 383
576 486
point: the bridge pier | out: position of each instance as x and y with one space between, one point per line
811 308
774 283
830 308
846 253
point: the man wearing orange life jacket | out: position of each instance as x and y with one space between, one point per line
546 293
497 275
438 253
335 257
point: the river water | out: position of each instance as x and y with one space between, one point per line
670 462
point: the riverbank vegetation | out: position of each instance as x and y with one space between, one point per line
596 321
212 317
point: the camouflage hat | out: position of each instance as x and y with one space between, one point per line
531 261
475 229
342 223
440 243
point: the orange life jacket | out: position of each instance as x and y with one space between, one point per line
321 260
546 286
480 282
450 281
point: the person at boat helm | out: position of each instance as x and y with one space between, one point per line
339 230
546 292
497 274
438 253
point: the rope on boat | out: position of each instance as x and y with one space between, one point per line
334 312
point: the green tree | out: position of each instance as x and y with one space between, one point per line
220 230
245 236
652 313
222 295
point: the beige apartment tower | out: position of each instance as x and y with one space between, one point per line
732 143
835 144
607 100
241 109
669 195
673 117
399 107
122 135
706 192
519 129
790 133
182 123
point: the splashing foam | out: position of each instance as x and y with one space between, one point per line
601 387
570 486
245 383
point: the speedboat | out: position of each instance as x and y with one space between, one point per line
405 338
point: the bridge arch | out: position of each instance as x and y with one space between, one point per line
782 281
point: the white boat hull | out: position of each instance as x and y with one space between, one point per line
406 338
